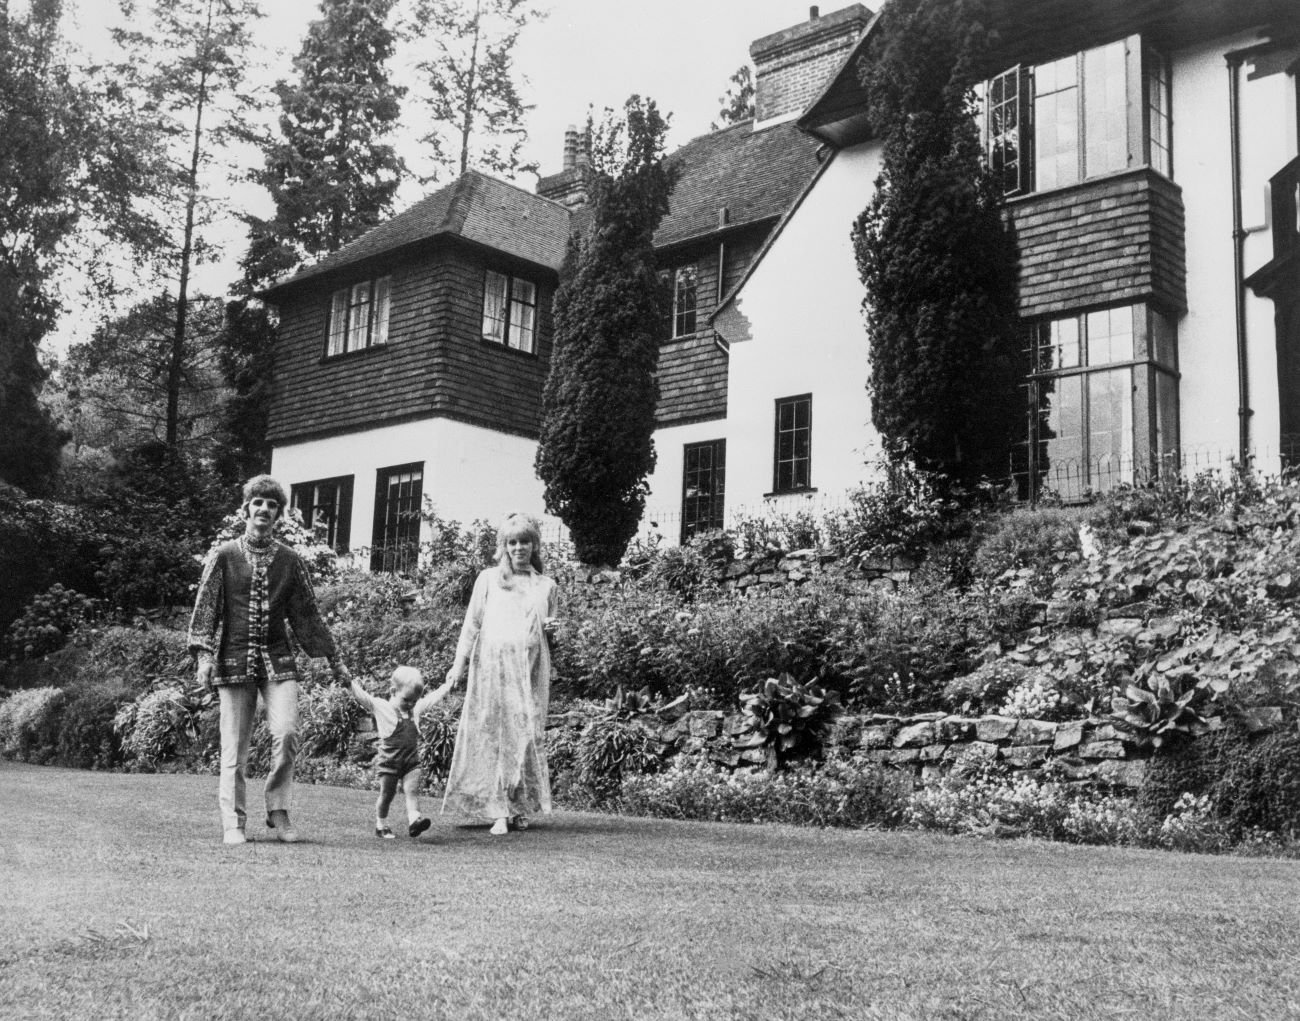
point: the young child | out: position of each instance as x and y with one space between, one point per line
397 760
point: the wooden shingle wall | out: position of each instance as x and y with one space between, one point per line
1111 241
435 361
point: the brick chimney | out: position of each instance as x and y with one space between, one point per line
794 65
569 186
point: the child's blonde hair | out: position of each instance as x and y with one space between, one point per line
405 677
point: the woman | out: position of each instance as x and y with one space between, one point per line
498 770
253 590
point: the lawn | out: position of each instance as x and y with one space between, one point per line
119 901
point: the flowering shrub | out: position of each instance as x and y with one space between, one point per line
1033 698
1193 826
1105 819
23 716
48 621
838 793
980 798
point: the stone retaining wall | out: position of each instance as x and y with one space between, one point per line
930 744
776 569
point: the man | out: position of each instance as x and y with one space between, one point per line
252 587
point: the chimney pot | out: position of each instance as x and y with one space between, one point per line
570 147
813 13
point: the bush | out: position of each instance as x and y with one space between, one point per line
438 738
138 658
787 719
1036 542
1259 783
838 793
328 716
26 723
618 741
981 797
166 724
48 621
86 738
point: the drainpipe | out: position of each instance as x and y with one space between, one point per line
1244 410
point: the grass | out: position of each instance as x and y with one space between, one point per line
119 901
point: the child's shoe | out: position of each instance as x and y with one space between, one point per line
519 822
384 833
418 825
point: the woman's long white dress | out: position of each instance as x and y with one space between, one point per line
498 768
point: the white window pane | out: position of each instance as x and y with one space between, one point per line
1105 102
338 322
494 306
379 335
359 319
521 326
1110 427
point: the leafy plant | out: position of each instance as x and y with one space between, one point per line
787 719
162 724
1164 704
618 742
438 740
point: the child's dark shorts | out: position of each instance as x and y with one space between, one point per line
399 753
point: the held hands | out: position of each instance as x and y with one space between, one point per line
207 675
342 675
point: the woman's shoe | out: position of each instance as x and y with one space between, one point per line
418 825
385 833
500 828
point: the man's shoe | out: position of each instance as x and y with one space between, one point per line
385 833
284 833
418 825
234 835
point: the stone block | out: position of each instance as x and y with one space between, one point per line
878 736
956 728
845 732
915 735
1105 732
1120 626
705 723
1025 756
924 718
995 728
933 752
736 569
1068 735
904 756
1034 732
1123 773
1101 750
1259 719
974 750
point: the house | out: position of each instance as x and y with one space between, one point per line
411 361
1148 151
1148 155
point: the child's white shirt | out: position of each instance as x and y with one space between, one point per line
388 715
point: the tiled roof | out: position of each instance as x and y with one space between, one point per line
755 175
475 207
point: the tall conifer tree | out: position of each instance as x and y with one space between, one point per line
938 262
598 405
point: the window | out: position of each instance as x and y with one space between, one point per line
704 476
326 503
510 311
1103 390
793 444
396 542
359 316
1068 120
685 279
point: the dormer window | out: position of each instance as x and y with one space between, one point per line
510 311
359 316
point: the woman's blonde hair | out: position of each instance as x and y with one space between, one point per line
513 526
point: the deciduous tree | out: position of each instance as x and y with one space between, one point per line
596 448
72 164
471 86
938 262
738 102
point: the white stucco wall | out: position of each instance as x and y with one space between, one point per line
803 303
1202 168
469 472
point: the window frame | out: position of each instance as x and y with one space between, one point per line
779 485
683 319
704 512
1151 365
344 305
306 497
1147 117
395 537
510 328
